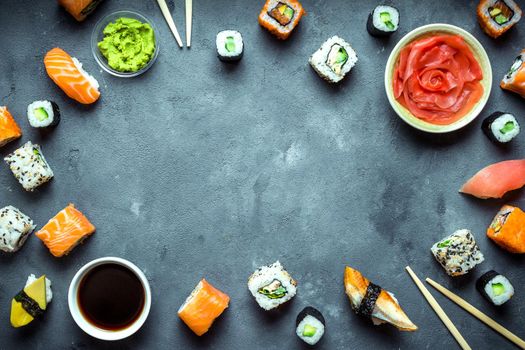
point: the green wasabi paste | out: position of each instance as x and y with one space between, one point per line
128 44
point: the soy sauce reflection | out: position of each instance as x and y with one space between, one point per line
111 297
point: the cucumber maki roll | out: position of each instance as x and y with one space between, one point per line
383 21
495 288
500 127
43 114
310 325
230 46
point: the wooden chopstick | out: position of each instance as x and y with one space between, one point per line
189 10
169 20
439 311
480 315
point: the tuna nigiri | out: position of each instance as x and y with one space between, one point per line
202 307
371 301
9 130
65 231
68 74
497 179
79 8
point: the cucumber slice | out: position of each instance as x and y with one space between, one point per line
309 331
386 18
289 12
444 244
229 44
501 19
40 113
498 289
508 127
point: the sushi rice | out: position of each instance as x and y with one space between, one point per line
94 82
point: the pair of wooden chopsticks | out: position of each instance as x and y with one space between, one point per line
171 23
465 305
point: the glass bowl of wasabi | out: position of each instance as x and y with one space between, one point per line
124 43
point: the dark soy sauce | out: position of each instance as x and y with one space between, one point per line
111 297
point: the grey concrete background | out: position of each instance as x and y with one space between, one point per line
204 169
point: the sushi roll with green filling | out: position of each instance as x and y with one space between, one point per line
495 288
230 46
501 127
334 59
272 286
458 253
43 114
310 325
383 21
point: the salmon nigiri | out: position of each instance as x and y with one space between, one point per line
374 302
79 8
65 231
202 307
9 130
68 74
497 179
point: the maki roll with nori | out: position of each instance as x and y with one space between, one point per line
230 46
43 114
500 127
495 287
383 21
310 325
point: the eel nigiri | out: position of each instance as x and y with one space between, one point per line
79 9
371 301
9 130
202 307
65 231
497 179
68 74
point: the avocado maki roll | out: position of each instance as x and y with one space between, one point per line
500 127
383 21
495 288
230 46
43 114
310 325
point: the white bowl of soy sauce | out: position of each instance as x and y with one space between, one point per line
109 298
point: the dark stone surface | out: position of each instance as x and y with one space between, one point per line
205 169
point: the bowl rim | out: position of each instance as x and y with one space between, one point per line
478 51
101 60
91 329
